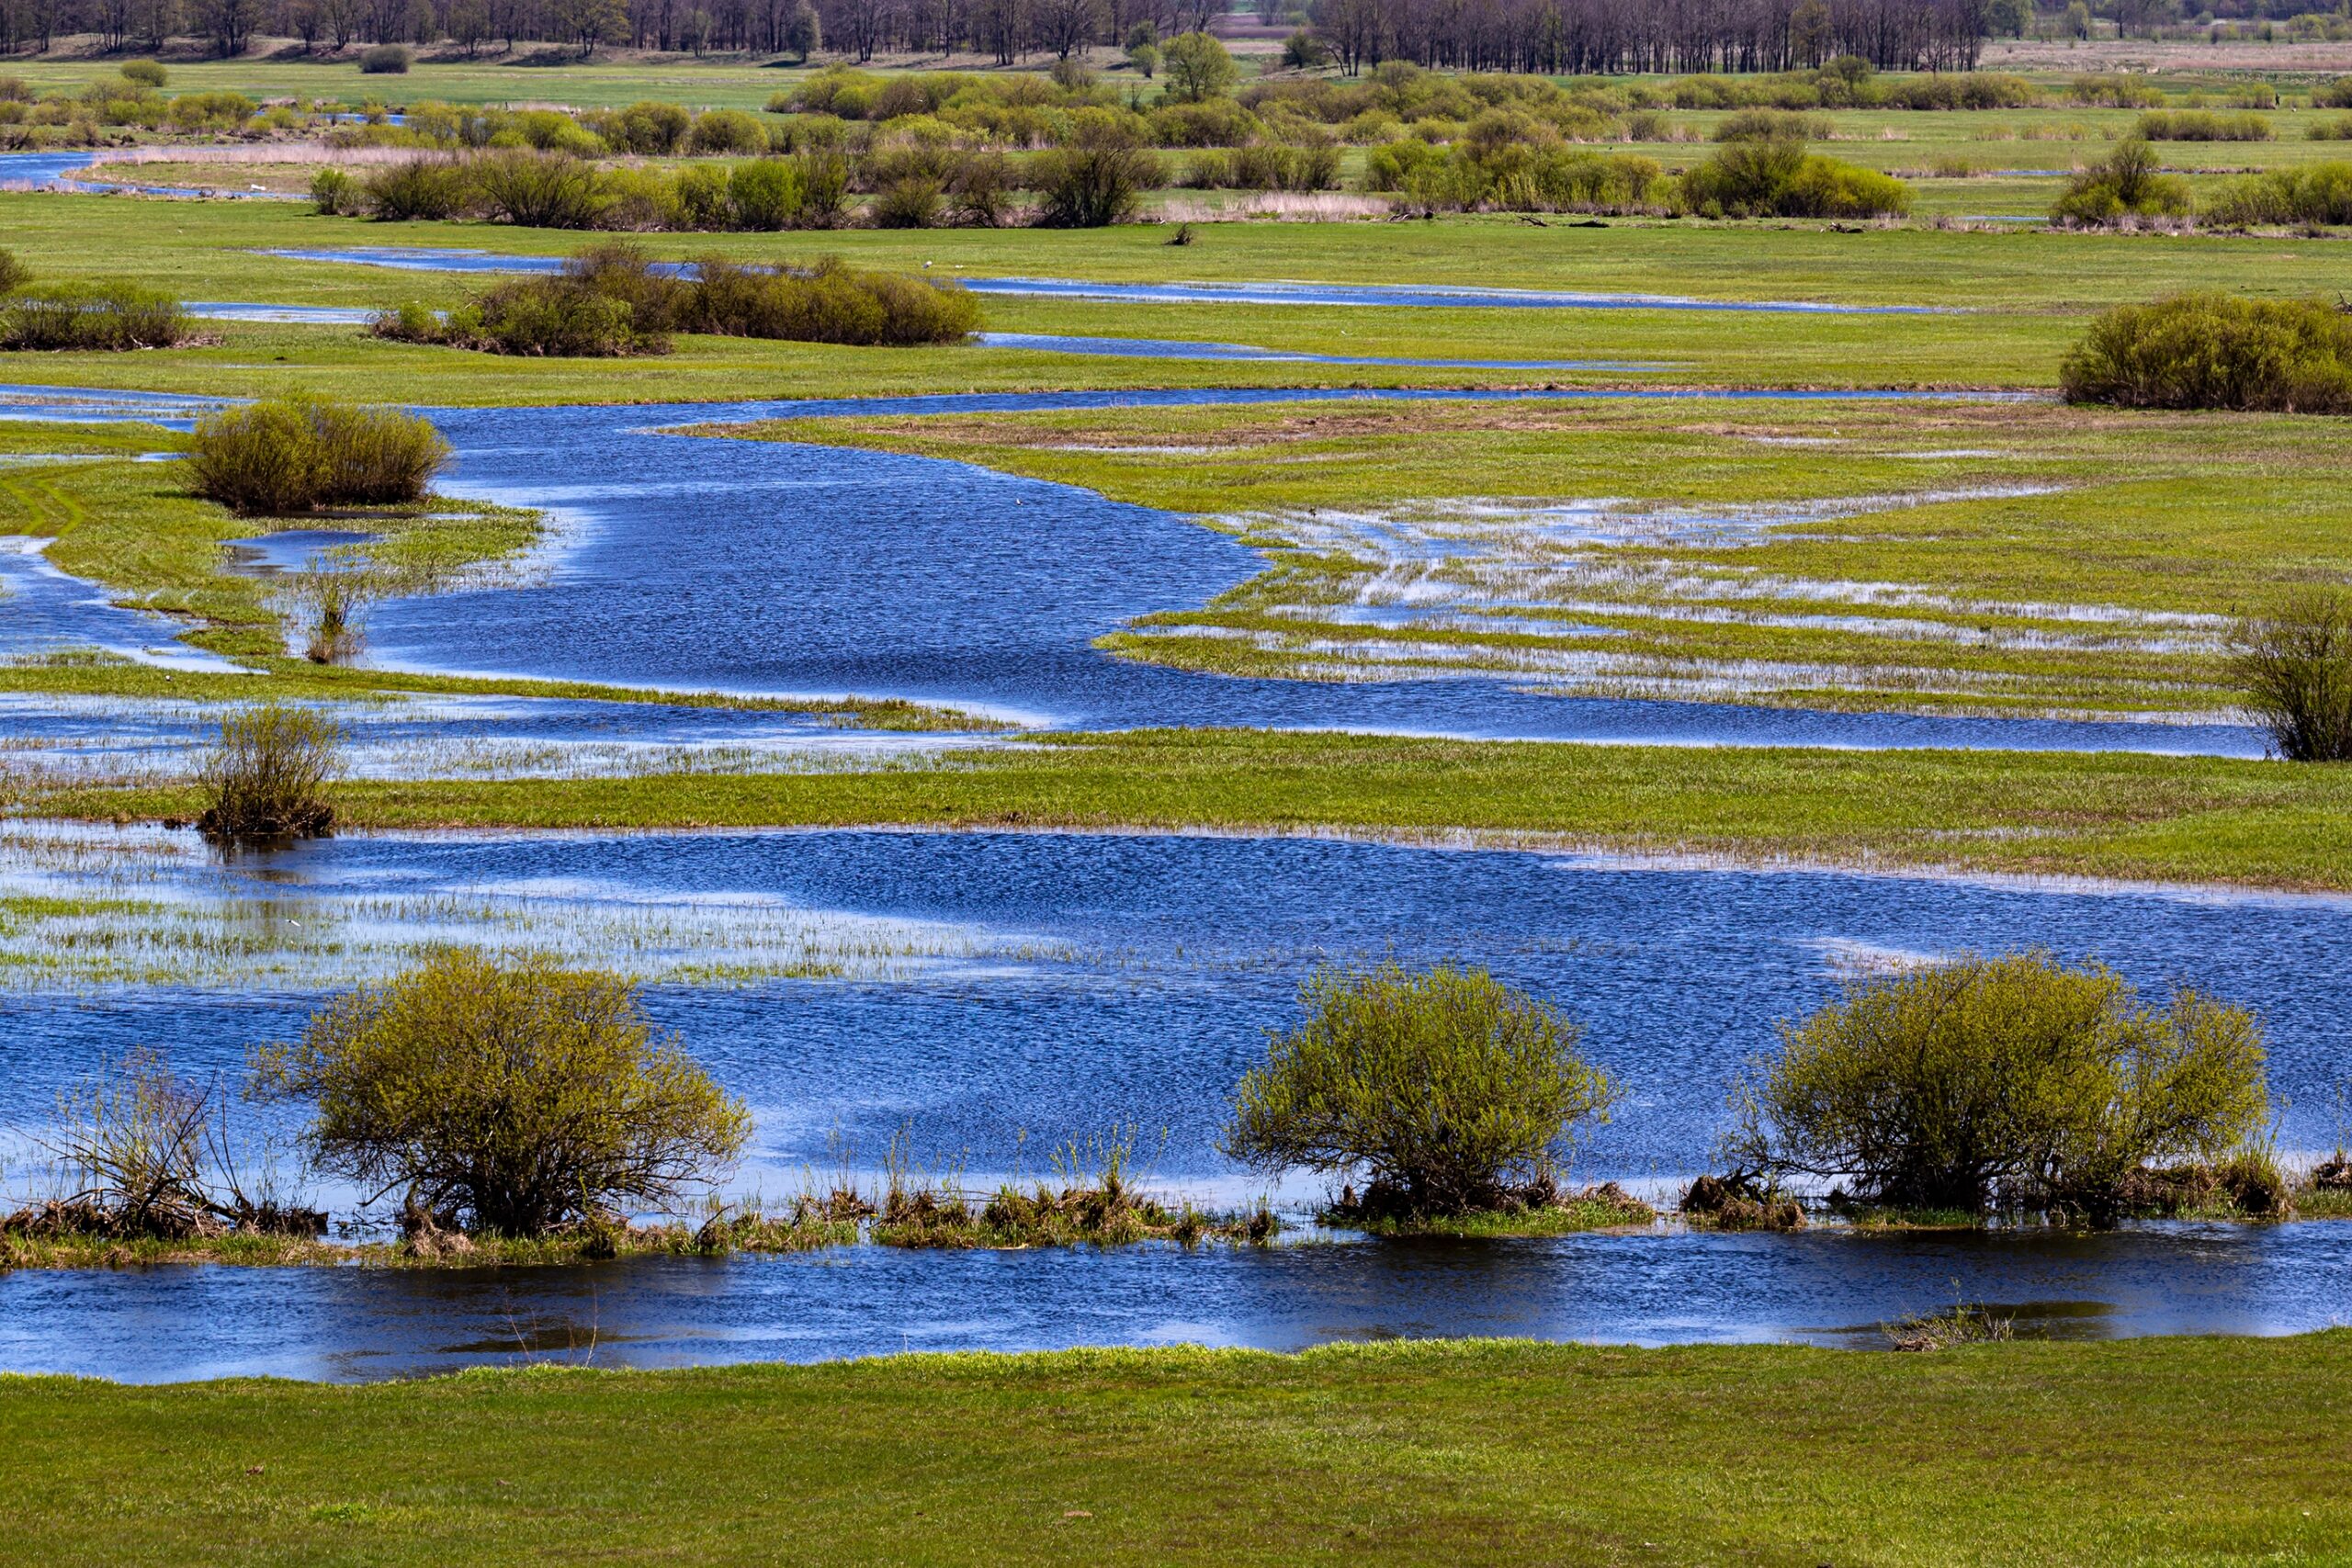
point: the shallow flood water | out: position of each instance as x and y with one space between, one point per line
992 986
973 986
165 1324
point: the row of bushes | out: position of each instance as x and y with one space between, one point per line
2202 125
1775 176
2216 351
516 1097
2127 187
610 300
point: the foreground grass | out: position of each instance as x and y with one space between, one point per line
2144 1452
2135 818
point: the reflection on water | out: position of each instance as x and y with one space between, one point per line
157 1325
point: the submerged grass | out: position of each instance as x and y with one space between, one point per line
1461 1451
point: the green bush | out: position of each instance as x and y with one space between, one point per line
2294 665
2332 128
2317 193
286 456
385 60
2126 183
1766 125
14 274
146 72
1999 1079
510 1096
1197 67
89 316
2202 125
1098 181
335 193
726 132
2215 351
827 303
1443 1088
265 776
1776 177
2335 95
421 189
539 190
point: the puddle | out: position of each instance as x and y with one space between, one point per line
1170 348
63 172
300 315
288 550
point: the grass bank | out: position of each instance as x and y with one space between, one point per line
2127 817
1462 1452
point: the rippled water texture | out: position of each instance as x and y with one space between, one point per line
1057 983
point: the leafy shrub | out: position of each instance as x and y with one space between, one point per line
2332 128
827 303
2009 1079
2335 95
1766 125
539 190
335 193
1197 66
101 316
1776 177
727 130
385 60
911 203
2114 92
421 189
509 1096
1443 1088
1098 181
2215 351
2202 125
2294 665
285 456
14 274
146 72
265 776
2317 193
2125 183
647 129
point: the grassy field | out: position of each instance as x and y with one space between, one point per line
2195 1451
1991 558
2151 818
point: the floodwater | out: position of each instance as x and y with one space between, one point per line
61 171
789 569
44 611
165 1323
1061 984
976 984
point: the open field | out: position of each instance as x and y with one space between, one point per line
1469 1452
2141 819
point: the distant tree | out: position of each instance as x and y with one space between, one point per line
1198 68
803 35
2008 18
469 25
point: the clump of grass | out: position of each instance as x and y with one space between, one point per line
1540 1209
2248 1184
281 457
2216 351
266 775
1450 1090
14 274
1740 1202
2124 187
2202 125
1965 1322
385 60
2295 667
108 317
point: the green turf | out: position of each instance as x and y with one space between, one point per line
2184 1451
2157 818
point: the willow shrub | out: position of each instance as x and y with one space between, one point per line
2215 351
14 274
266 775
1445 1088
280 457
2295 667
102 316
2318 193
2127 183
2010 1078
1776 177
510 1096
2202 125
